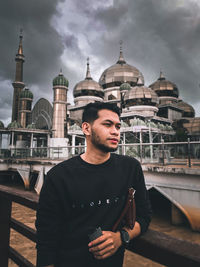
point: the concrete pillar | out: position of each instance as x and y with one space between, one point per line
73 144
12 139
12 144
176 215
8 140
141 141
150 141
48 145
123 144
0 141
31 145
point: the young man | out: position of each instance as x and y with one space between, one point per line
89 191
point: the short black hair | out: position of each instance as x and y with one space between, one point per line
90 112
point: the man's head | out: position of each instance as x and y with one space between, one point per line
90 113
101 126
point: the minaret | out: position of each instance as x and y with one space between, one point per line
60 87
18 84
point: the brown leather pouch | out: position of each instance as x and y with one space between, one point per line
128 214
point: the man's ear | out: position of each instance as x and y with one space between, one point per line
86 128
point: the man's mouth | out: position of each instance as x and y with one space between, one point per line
114 140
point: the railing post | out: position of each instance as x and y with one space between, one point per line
163 152
189 154
5 214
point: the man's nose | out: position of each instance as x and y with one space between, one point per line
115 130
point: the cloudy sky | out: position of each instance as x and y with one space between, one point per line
156 34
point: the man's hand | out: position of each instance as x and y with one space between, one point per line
105 245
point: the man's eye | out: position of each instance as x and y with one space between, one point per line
107 124
118 127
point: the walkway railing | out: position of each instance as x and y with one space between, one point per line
153 245
183 153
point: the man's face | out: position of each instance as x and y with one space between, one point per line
105 131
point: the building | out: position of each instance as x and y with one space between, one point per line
149 113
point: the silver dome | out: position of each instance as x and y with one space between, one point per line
164 87
188 110
88 87
141 95
119 73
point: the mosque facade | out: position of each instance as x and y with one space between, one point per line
149 113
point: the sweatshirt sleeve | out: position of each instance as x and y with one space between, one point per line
143 206
48 223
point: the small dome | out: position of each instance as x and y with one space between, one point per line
120 72
164 87
193 126
75 127
152 124
88 87
141 122
14 124
141 95
161 126
168 127
133 122
26 93
125 87
60 80
1 125
124 124
188 110
31 126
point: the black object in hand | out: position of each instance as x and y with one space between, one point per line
95 233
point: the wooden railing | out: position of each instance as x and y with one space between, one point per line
156 246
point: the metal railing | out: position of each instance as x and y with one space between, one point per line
154 245
169 153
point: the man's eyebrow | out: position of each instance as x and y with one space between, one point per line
118 123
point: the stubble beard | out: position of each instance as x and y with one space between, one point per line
95 139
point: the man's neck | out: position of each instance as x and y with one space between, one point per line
95 157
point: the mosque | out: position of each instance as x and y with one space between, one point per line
149 113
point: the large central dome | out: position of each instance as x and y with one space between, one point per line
119 73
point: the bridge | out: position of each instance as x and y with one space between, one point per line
177 180
182 190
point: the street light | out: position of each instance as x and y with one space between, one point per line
124 88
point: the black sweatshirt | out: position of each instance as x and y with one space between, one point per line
78 196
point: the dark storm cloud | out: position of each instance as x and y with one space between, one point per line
41 43
70 41
157 35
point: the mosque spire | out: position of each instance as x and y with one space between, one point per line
88 75
162 77
140 82
20 49
121 57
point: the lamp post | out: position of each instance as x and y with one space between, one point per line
124 88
